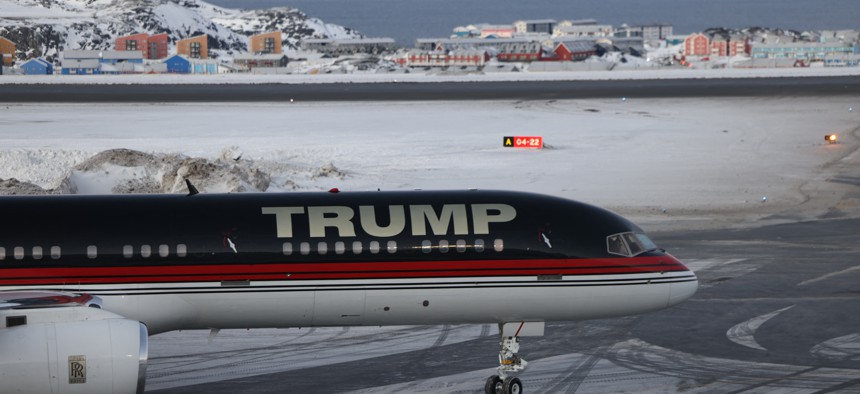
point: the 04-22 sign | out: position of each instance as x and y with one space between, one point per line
523 142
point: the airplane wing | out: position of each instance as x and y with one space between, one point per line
45 299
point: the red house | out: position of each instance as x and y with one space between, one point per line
697 44
573 50
153 47
157 46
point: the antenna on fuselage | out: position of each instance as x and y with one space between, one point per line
191 189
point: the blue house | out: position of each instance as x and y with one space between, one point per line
178 64
201 66
79 62
37 66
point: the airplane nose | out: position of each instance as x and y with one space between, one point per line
680 292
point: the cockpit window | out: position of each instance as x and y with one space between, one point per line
629 244
615 245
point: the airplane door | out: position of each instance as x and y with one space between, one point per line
338 307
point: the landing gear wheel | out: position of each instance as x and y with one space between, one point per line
512 385
493 385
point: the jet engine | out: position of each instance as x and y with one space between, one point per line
71 350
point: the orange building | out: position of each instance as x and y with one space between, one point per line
196 47
7 52
266 43
697 44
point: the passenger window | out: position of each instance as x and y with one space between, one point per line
374 247
181 250
499 245
339 247
426 246
461 245
322 248
304 248
37 252
145 251
163 250
479 245
443 246
127 251
392 246
2 253
356 247
92 251
287 248
55 252
19 253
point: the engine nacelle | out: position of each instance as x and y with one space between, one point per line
71 350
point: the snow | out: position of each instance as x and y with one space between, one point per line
665 163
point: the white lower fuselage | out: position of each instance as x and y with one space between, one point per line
204 305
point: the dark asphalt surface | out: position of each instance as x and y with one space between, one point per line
777 259
540 90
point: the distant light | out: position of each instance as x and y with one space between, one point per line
850 109
831 138
624 99
291 100
764 199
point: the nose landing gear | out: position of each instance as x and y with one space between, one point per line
509 360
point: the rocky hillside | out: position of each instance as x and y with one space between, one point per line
47 27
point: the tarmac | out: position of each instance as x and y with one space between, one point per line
449 91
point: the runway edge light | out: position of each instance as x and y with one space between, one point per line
831 138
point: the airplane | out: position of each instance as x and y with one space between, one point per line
84 280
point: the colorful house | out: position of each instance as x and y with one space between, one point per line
181 64
196 47
571 50
37 66
152 47
7 52
266 43
81 62
178 64
697 44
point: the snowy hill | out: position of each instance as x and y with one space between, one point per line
47 27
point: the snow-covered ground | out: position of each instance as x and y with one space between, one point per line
666 163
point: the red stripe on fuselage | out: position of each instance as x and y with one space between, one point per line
338 270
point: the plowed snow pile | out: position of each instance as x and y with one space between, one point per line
126 171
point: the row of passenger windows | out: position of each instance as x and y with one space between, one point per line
304 248
374 247
128 251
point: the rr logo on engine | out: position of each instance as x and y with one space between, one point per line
77 369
